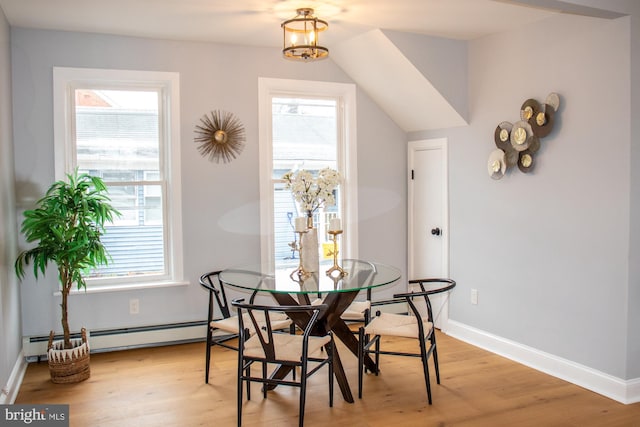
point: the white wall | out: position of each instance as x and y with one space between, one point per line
633 332
220 202
10 337
548 251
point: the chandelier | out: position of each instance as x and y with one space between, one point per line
301 36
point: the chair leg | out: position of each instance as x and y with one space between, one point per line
367 320
333 349
292 331
303 393
239 397
425 367
264 377
361 344
377 339
435 356
207 357
248 373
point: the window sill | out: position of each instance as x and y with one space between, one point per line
118 288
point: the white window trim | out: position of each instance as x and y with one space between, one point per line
64 81
347 157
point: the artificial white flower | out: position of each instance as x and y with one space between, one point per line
313 192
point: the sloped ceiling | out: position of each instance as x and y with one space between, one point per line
400 86
419 80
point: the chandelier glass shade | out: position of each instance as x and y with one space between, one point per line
301 37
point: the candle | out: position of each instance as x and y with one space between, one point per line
334 224
301 224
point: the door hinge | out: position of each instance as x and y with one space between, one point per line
412 174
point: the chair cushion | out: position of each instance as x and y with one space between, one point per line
288 347
356 310
398 325
230 324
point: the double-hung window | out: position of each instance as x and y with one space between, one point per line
305 125
123 126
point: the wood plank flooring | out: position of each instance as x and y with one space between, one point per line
164 386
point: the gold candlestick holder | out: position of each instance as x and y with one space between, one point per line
300 272
334 252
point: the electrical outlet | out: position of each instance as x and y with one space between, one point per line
474 296
134 306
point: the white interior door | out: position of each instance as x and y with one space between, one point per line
428 218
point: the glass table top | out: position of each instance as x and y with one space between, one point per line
359 275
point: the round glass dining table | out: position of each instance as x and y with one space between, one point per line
359 275
338 291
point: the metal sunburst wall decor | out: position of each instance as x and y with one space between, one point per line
220 135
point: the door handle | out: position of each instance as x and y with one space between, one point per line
436 231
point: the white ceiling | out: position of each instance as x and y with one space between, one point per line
257 22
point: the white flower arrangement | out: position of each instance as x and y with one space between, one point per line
312 192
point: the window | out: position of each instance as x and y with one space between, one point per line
123 127
305 125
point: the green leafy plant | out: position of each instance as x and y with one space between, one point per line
67 225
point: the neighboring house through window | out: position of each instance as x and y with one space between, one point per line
123 126
305 125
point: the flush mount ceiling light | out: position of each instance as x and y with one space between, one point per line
301 36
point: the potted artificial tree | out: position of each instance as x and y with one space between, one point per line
66 226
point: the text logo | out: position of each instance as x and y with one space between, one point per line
34 415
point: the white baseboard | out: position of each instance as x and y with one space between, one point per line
121 339
633 391
10 390
624 391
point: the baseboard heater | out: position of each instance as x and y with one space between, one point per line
103 340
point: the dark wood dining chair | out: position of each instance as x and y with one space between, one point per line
222 330
412 326
302 351
359 311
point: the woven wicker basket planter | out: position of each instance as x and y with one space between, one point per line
71 365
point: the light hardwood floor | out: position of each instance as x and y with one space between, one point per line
164 386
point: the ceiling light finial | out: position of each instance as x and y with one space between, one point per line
301 36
